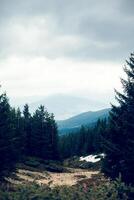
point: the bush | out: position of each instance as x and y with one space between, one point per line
32 162
105 190
55 168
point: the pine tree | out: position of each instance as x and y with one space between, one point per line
52 134
99 132
17 132
38 140
82 141
27 134
7 135
119 142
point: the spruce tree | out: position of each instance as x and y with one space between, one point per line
27 132
119 141
17 132
52 137
82 141
44 140
38 140
7 136
99 132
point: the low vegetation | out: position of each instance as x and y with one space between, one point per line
97 188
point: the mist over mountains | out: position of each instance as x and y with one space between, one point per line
63 106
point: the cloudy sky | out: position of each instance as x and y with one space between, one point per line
72 47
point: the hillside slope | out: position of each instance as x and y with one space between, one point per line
86 118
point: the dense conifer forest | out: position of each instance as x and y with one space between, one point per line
84 142
23 134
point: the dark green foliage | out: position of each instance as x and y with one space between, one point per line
25 135
17 128
44 135
99 132
84 142
9 139
27 131
109 190
119 142
39 134
32 162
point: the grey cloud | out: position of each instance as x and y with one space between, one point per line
127 7
104 27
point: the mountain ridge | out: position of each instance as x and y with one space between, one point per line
85 118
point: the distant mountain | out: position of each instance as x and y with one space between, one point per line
62 105
87 118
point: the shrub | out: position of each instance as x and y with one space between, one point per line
32 162
105 190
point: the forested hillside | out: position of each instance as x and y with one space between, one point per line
88 119
23 134
85 141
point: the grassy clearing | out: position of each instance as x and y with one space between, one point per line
68 183
69 178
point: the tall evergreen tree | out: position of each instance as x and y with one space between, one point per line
39 133
27 134
44 135
82 141
119 141
7 135
52 135
99 130
17 132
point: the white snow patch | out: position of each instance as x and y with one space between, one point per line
92 158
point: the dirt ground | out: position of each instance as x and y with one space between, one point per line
52 179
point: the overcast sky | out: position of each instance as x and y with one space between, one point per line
64 46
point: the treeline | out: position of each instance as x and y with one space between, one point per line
23 134
84 142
